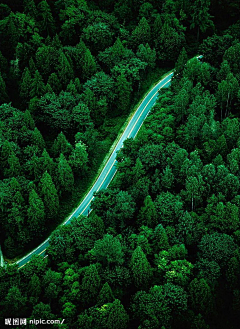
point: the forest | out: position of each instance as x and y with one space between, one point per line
161 248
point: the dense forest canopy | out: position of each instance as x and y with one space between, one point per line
161 249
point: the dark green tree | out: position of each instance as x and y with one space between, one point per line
105 295
90 286
47 23
147 214
118 317
64 175
36 213
141 269
108 250
3 93
50 196
123 92
142 33
37 85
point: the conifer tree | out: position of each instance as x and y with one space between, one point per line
200 296
71 88
15 302
3 93
34 288
89 65
47 163
64 175
79 158
118 317
55 83
61 145
77 85
37 85
49 194
160 239
65 71
32 66
14 167
141 269
36 214
148 214
90 284
45 17
48 89
106 295
37 139
30 8
142 33
123 91
180 64
28 120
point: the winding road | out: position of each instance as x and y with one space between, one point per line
110 169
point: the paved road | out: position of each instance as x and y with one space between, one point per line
109 170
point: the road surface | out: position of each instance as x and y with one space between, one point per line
109 170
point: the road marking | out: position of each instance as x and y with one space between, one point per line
42 251
23 265
91 190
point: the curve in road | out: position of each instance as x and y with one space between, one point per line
110 169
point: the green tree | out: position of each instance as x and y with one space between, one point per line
147 214
79 158
180 64
232 273
194 188
169 207
105 295
36 213
123 93
146 54
34 288
50 196
55 83
200 16
65 70
47 163
69 311
14 302
38 139
108 250
98 36
89 65
13 168
47 23
218 247
227 91
118 317
141 269
37 85
3 93
61 145
51 283
167 179
25 86
30 8
142 33
65 176
224 71
160 239
90 285
200 296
